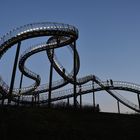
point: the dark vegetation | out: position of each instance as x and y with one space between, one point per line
60 123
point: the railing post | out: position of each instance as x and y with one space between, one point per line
118 106
74 74
14 73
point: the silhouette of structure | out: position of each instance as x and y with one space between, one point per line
60 35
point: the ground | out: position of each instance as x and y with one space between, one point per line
66 124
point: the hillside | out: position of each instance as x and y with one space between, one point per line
55 124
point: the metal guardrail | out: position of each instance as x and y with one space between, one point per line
37 26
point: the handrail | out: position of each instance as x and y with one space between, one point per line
118 96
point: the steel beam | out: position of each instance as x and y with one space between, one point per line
68 102
74 74
2 101
93 95
80 100
38 98
50 80
118 106
80 96
14 73
20 85
138 96
32 100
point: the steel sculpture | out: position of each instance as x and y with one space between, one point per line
60 35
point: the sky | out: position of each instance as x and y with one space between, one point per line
108 43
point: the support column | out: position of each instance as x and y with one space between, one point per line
14 73
68 102
20 85
94 104
138 100
74 74
32 100
38 98
35 98
80 96
118 106
80 101
2 102
50 80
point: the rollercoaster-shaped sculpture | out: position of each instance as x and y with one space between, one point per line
60 35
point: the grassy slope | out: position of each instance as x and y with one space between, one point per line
56 124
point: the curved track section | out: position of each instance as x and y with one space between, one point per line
36 30
60 35
88 88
